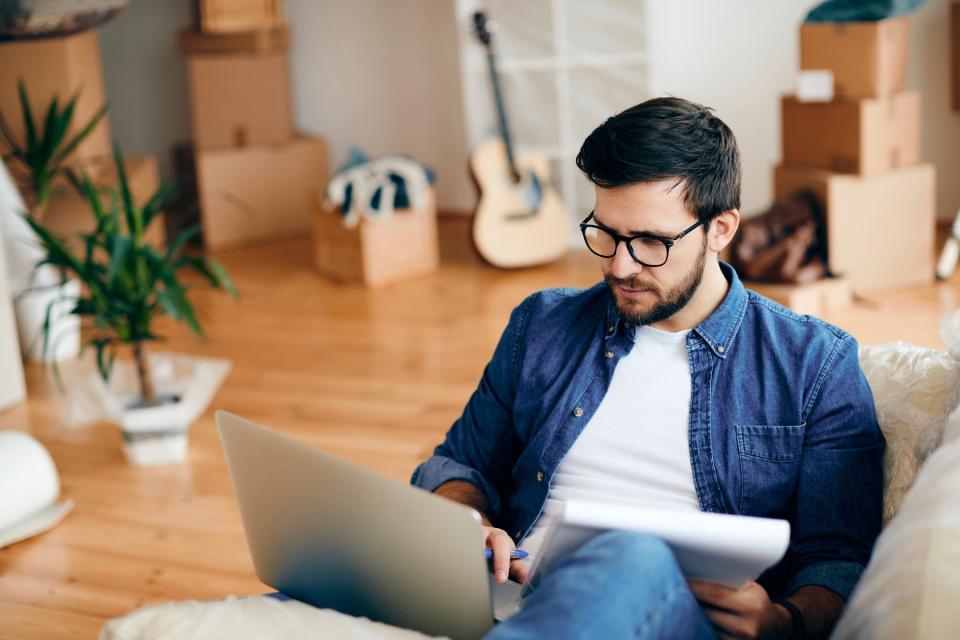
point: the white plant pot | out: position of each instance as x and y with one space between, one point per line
155 435
151 435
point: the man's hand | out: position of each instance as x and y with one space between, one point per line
746 612
493 538
502 544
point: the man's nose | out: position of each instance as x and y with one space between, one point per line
622 264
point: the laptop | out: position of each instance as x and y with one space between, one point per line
332 534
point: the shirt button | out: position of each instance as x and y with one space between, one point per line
578 412
519 533
720 349
610 329
608 354
539 476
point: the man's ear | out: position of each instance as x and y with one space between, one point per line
722 229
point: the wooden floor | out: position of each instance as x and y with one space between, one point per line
374 376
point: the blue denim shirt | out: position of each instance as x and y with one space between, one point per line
782 422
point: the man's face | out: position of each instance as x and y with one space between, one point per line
647 295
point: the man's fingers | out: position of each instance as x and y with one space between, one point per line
502 545
519 570
712 594
728 623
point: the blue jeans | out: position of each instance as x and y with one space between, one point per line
617 585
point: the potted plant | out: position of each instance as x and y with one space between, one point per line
41 158
126 285
39 167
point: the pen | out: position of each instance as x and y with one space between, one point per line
516 554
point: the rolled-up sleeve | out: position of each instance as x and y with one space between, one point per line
840 489
482 446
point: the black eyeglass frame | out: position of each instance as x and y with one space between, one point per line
668 242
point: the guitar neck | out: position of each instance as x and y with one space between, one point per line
501 114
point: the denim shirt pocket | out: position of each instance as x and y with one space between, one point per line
769 466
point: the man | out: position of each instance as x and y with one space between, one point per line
668 385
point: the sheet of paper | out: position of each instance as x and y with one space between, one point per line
722 548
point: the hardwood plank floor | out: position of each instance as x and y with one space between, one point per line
374 376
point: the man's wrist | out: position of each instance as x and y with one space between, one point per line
792 624
467 494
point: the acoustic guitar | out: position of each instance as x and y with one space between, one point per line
520 220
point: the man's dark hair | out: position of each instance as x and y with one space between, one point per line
667 138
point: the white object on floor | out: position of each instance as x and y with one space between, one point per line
13 388
815 85
64 332
29 488
22 252
248 618
947 263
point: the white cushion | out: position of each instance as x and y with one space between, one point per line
911 588
253 617
914 388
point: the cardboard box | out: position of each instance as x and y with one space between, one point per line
815 299
56 67
880 228
852 136
270 40
69 214
377 251
220 16
868 59
955 52
258 193
239 99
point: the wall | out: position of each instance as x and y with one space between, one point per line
146 78
384 76
379 75
739 56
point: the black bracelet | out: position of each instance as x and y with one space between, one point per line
796 619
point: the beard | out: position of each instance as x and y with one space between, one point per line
669 303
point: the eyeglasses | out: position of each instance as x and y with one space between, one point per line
645 248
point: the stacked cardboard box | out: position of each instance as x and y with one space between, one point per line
860 154
255 175
65 66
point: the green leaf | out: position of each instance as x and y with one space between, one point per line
118 255
28 123
211 270
50 125
181 240
178 298
134 220
64 153
158 201
58 253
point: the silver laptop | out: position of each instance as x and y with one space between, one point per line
334 535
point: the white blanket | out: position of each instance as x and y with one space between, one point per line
252 617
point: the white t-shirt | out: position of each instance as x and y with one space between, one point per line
635 448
